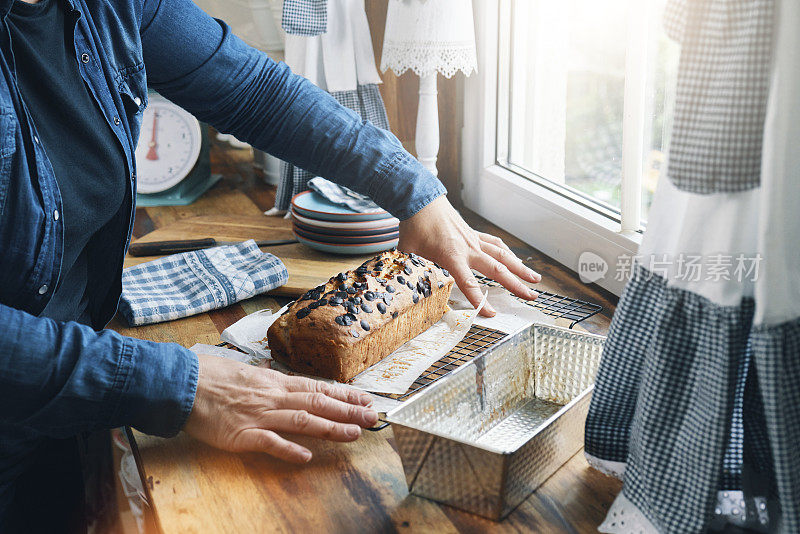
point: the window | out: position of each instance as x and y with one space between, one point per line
581 72
580 94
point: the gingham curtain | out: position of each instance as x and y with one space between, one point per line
720 104
305 17
697 402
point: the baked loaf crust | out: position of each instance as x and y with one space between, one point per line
359 317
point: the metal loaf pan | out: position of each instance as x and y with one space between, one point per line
486 436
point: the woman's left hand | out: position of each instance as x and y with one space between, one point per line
438 233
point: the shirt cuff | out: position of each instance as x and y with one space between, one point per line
404 186
159 386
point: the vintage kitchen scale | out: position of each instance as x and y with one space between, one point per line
172 156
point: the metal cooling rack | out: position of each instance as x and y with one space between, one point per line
555 305
478 339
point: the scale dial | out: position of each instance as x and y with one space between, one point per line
168 148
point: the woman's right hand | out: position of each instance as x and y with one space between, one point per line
239 407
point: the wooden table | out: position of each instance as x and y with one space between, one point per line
356 487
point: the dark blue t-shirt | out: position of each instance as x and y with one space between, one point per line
88 161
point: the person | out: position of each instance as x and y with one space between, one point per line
696 406
75 76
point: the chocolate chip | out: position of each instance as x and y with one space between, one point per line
420 287
354 333
322 302
339 320
415 297
379 266
303 313
365 325
369 295
366 307
351 290
441 285
313 305
341 277
316 295
341 294
444 272
401 279
390 289
387 299
407 269
356 301
410 285
335 301
347 319
381 281
395 314
427 292
382 307
352 308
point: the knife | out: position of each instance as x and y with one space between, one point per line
160 248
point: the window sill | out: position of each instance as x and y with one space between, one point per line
553 224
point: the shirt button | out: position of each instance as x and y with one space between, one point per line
137 101
56 215
133 177
85 57
116 121
43 289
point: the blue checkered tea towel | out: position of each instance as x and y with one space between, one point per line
342 196
194 282
305 17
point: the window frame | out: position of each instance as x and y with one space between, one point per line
554 220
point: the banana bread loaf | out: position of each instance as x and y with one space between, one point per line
359 317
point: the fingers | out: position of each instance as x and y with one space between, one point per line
348 395
330 408
511 261
302 422
469 285
494 240
260 440
500 273
490 244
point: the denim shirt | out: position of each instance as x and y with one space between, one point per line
59 379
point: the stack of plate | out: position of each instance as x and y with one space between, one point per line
323 225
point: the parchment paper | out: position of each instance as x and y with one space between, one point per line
511 313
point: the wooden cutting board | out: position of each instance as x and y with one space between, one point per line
307 268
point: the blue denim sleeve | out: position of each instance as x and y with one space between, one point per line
197 62
59 379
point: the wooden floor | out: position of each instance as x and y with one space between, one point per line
575 499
